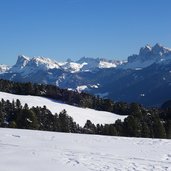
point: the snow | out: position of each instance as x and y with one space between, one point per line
26 65
90 64
25 150
106 64
45 62
94 86
149 47
4 68
80 115
72 66
81 88
137 65
147 56
22 61
138 69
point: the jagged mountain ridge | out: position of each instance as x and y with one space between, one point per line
24 64
138 79
146 57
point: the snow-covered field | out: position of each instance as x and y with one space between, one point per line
80 115
26 150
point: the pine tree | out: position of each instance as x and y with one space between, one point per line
145 132
158 128
89 127
132 126
168 129
18 104
63 121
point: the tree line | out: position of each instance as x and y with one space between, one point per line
83 99
138 124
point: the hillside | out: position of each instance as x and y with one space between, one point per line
80 115
25 150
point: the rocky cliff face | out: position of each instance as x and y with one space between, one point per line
147 56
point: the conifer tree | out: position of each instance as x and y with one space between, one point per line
168 129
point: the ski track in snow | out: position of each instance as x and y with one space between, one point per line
25 150
79 115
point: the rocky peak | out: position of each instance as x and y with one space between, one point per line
88 60
145 50
43 62
28 65
147 56
160 50
22 60
156 50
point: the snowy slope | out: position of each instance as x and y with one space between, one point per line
26 65
25 150
80 115
4 68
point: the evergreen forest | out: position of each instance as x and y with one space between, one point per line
141 121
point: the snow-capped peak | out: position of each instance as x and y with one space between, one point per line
148 46
145 50
147 56
160 50
72 66
23 57
46 63
88 64
95 63
26 65
22 61
156 50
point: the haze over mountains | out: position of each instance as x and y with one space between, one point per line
144 78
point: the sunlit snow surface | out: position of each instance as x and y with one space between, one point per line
80 115
25 150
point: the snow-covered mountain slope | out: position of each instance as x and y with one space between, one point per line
25 150
4 68
80 115
72 67
91 64
26 66
147 56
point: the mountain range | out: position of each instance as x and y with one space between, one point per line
144 78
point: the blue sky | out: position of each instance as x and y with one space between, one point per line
62 29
